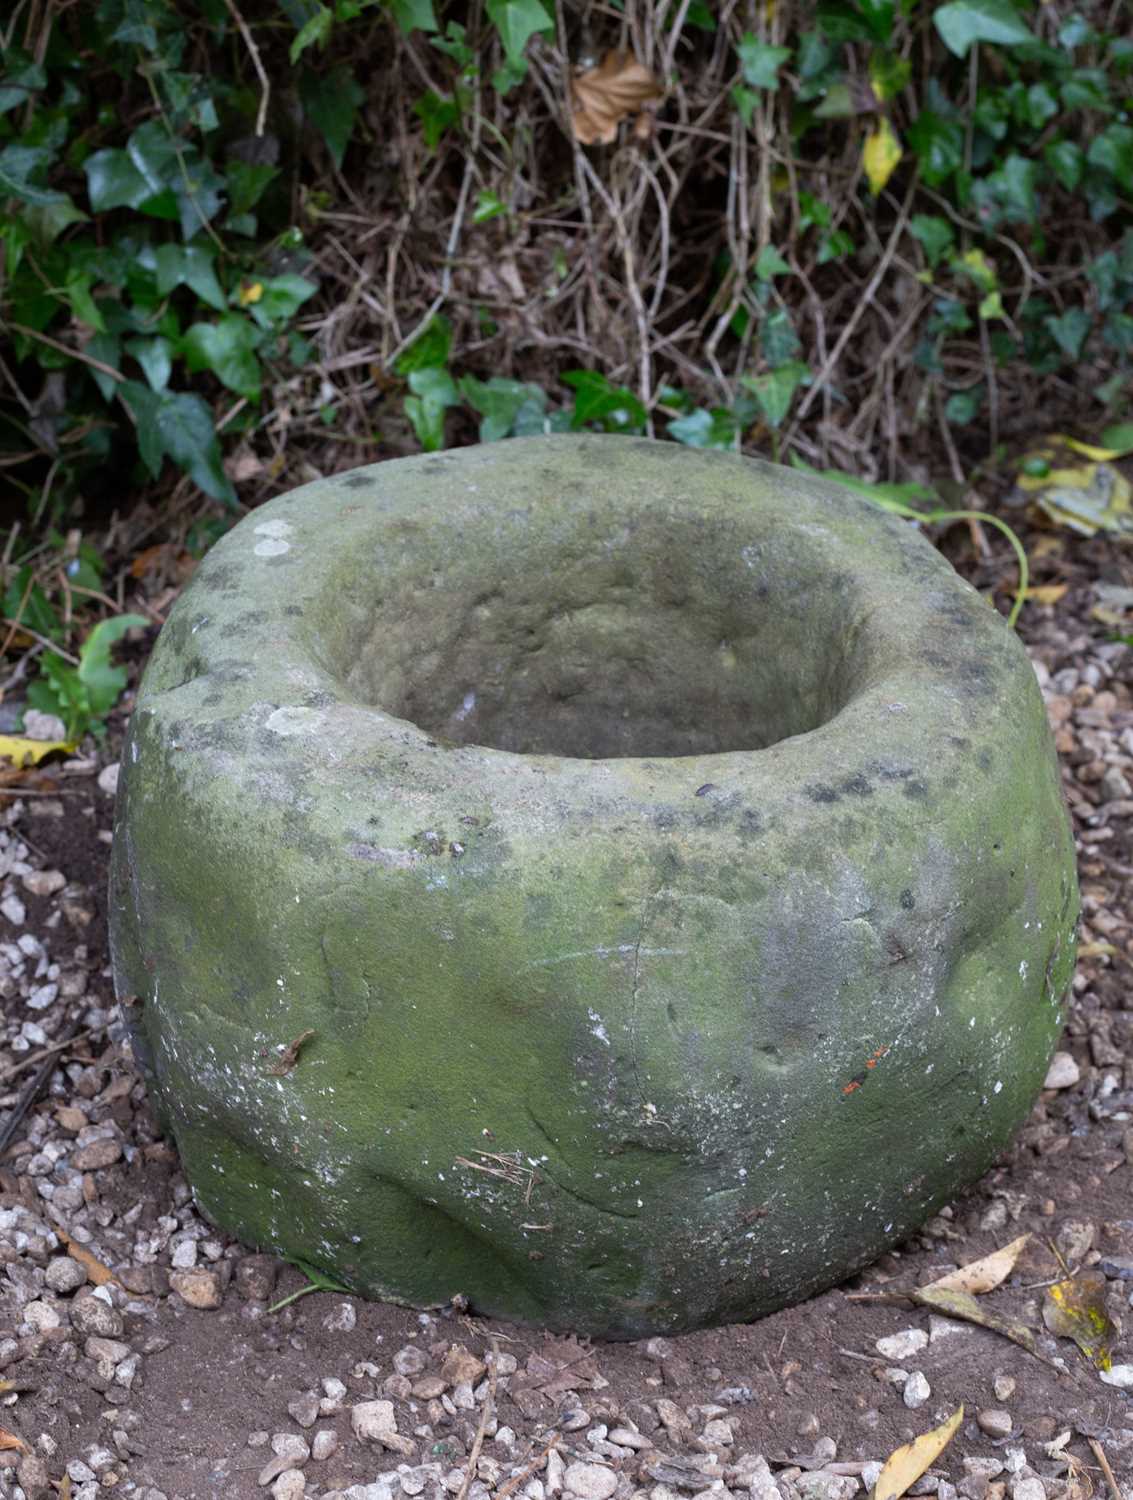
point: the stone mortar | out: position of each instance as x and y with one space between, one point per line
661 853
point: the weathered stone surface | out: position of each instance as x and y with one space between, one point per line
680 830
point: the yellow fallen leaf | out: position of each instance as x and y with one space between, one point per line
10 1440
1075 1309
1084 497
24 752
1097 950
986 1274
906 1464
1091 450
1043 593
602 97
250 291
880 155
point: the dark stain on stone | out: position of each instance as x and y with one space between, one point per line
665 818
985 760
821 793
359 481
434 466
856 786
959 741
250 618
220 575
293 609
915 789
702 791
908 900
750 824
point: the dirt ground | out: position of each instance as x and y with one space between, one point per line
175 1379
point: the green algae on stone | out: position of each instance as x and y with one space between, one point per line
665 850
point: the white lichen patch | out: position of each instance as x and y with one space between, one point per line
274 535
294 719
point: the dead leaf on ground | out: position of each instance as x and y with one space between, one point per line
1075 1309
1043 593
290 1055
10 1440
983 1275
1083 497
602 97
22 752
95 1269
964 1305
906 1464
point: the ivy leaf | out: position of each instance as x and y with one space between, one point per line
966 21
314 32
434 391
517 21
596 400
1070 330
1067 161
104 683
1112 150
432 347
770 264
703 428
963 407
413 15
500 402
22 78
939 145
192 266
331 103
113 181
436 115
934 234
187 433
761 62
280 298
775 390
179 424
156 359
880 155
228 349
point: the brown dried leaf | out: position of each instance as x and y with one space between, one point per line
986 1274
290 1054
602 97
10 1440
905 1465
97 1272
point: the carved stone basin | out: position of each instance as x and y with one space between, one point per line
626 886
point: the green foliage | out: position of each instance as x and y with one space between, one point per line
82 696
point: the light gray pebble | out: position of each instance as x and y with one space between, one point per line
290 1485
590 1481
1029 1488
91 1315
917 1390
304 1409
822 1486
903 1345
995 1422
65 1275
290 1445
409 1361
258 1438
324 1443
341 1319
